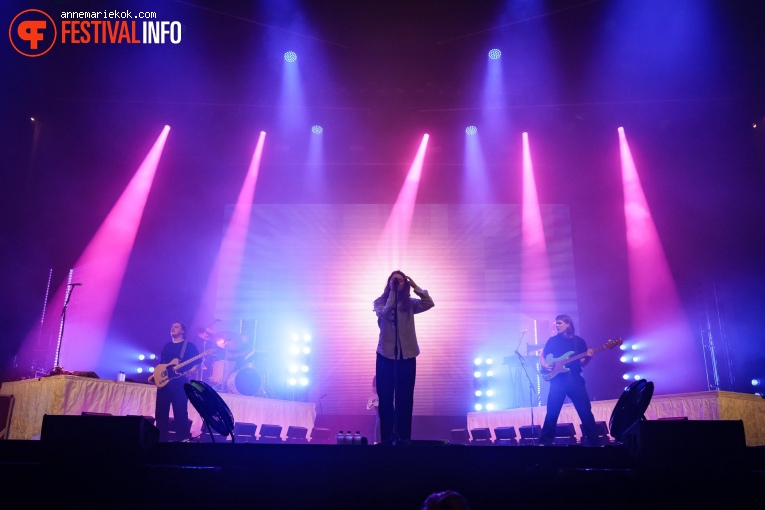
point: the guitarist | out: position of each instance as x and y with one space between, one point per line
172 394
569 383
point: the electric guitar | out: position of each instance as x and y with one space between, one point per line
559 363
164 372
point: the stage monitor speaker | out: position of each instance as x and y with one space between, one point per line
694 444
96 438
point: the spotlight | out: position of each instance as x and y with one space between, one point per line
141 357
139 370
489 361
637 377
495 54
290 56
303 381
626 377
471 130
478 393
478 361
151 370
490 374
478 407
490 393
476 374
152 356
623 359
306 350
757 382
635 359
317 129
489 406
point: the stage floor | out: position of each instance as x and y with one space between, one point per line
284 476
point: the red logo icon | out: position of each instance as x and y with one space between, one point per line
32 33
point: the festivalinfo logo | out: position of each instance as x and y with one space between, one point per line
33 32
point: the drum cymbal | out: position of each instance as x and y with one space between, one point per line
228 340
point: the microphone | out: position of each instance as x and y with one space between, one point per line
520 340
74 284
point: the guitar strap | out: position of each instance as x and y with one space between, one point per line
183 351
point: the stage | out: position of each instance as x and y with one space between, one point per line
704 405
288 476
116 460
73 395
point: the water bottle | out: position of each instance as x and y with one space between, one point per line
348 438
357 438
121 376
340 437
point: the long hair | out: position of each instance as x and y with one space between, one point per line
568 320
404 295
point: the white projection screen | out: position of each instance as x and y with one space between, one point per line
317 268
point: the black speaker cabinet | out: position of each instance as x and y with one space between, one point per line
694 444
97 438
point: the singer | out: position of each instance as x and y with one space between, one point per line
397 350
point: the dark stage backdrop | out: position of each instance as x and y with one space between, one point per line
317 268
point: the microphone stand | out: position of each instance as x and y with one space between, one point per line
58 369
532 391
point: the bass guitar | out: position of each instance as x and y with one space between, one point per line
163 373
559 364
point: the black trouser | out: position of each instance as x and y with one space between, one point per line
395 382
173 394
571 384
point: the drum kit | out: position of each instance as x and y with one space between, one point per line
235 366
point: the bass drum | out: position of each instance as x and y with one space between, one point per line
245 381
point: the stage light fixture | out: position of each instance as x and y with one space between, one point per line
477 361
623 359
757 382
290 56
139 370
152 356
635 359
478 393
317 129
477 374
626 377
471 130
141 357
478 407
494 54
